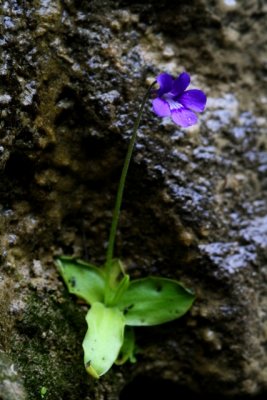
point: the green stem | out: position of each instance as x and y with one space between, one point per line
117 208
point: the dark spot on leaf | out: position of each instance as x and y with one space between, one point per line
103 358
87 364
126 309
159 288
72 281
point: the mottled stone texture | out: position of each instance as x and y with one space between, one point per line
72 74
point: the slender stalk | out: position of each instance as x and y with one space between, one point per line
117 208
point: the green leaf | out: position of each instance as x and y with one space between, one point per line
152 301
43 391
82 279
116 272
117 282
112 296
128 348
104 338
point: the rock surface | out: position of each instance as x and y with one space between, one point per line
72 76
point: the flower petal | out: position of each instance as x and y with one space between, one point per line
165 82
194 100
161 107
184 117
180 84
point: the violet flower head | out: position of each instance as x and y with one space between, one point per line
173 100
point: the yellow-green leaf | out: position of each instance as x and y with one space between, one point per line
104 338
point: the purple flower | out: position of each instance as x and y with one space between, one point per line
174 101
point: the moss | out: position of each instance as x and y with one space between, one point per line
48 346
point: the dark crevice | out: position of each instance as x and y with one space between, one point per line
19 167
144 388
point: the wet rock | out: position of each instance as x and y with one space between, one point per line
72 76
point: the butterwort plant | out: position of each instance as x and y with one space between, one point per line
117 303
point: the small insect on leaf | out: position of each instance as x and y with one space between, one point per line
153 301
104 338
82 279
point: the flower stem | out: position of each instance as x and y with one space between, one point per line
117 208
